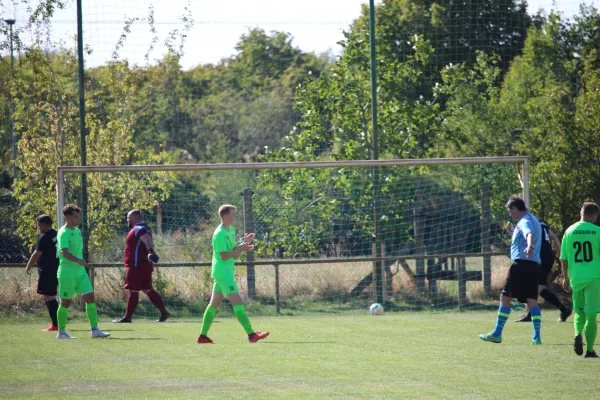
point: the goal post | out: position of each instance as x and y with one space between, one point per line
433 217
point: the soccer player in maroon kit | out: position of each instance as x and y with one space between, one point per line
139 260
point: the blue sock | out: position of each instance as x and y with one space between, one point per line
536 320
503 313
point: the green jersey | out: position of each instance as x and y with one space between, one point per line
71 240
581 249
222 240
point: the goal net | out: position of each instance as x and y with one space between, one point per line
330 236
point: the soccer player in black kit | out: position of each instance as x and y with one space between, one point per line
46 258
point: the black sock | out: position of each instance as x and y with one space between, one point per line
552 299
52 309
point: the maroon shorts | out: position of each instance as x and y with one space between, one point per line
138 278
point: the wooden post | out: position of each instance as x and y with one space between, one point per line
249 228
277 306
384 293
389 277
378 274
374 274
485 239
419 232
432 266
431 271
159 219
462 283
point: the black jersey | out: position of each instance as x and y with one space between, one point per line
546 253
46 244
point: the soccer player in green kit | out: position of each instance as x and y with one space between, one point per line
72 277
223 273
580 258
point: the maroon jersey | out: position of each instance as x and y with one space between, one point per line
136 253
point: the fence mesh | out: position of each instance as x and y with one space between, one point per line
325 216
200 82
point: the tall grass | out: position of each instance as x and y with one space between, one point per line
302 288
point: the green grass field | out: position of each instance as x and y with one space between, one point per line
397 355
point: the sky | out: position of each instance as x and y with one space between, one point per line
316 25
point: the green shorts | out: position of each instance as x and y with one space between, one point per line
225 285
588 298
68 286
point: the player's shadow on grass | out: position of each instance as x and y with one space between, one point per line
111 330
307 342
193 321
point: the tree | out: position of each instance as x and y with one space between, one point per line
336 116
587 117
48 128
415 41
455 30
230 111
545 109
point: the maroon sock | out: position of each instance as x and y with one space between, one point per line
157 301
132 302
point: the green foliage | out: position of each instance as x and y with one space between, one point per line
47 124
13 251
415 42
484 80
455 30
231 111
161 283
545 108
336 111
317 213
336 122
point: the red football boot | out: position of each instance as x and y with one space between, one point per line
204 340
256 336
51 328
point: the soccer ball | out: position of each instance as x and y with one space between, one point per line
376 309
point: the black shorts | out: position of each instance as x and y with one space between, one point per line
547 264
522 280
47 283
545 270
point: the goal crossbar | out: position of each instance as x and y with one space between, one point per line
293 165
62 170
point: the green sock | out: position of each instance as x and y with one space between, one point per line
242 318
61 315
591 328
92 314
209 316
579 321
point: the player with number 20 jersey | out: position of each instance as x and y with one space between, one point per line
580 257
